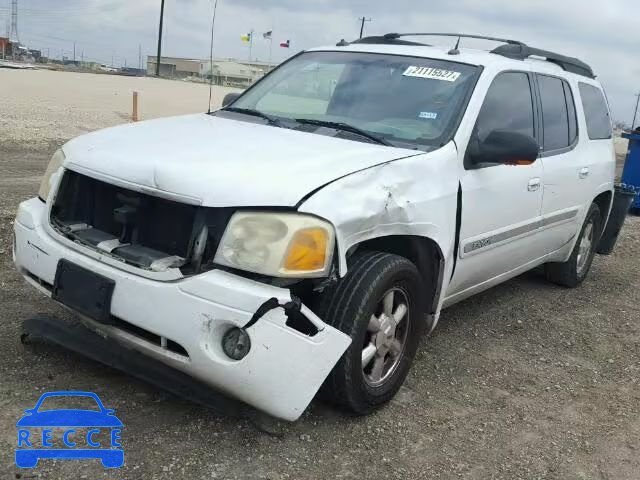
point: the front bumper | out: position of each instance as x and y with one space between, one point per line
284 367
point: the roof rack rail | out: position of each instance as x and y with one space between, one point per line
569 64
395 36
512 49
387 41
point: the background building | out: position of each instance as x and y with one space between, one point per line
5 47
228 72
174 67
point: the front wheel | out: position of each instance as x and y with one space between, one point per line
378 305
572 272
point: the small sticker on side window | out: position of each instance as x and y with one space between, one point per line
431 73
428 115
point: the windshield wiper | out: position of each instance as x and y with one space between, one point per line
345 127
255 113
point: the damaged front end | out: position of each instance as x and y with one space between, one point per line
252 338
142 230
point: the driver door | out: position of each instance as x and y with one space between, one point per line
501 204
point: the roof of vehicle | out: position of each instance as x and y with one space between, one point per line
508 55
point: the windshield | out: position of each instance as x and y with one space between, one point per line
396 98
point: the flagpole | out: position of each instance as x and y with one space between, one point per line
270 48
250 44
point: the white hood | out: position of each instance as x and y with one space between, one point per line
214 161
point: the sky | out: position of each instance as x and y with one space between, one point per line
604 34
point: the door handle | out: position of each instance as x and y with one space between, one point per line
533 185
583 173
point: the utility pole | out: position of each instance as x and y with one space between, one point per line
74 52
363 19
139 56
635 112
160 38
13 34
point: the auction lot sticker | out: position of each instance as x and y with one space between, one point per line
92 431
431 73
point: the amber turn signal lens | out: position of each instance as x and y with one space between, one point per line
519 163
307 250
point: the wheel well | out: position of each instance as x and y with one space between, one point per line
604 202
423 252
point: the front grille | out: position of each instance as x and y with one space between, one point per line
140 229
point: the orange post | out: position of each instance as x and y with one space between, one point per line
134 115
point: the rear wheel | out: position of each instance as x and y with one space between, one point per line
572 272
378 305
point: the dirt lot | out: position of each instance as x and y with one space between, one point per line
526 381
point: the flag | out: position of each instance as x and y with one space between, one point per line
267 35
286 44
246 38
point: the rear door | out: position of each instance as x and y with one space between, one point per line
566 171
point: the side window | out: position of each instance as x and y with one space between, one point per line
596 112
507 106
555 116
573 120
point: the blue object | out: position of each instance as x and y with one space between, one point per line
631 172
32 447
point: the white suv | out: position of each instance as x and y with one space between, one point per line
306 235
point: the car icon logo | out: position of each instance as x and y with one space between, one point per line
77 444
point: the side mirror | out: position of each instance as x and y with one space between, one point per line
229 98
506 147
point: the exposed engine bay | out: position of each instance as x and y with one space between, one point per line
143 230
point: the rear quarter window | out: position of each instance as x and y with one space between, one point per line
596 112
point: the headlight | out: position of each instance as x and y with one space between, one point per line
277 244
54 164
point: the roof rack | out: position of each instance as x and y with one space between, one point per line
395 36
569 64
513 49
387 41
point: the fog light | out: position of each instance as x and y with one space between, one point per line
236 343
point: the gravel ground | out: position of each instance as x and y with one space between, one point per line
525 381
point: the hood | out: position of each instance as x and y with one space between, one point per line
213 161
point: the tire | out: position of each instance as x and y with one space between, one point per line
349 307
573 272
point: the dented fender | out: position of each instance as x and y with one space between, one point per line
415 196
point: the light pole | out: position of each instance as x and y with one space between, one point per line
635 112
160 38
363 19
